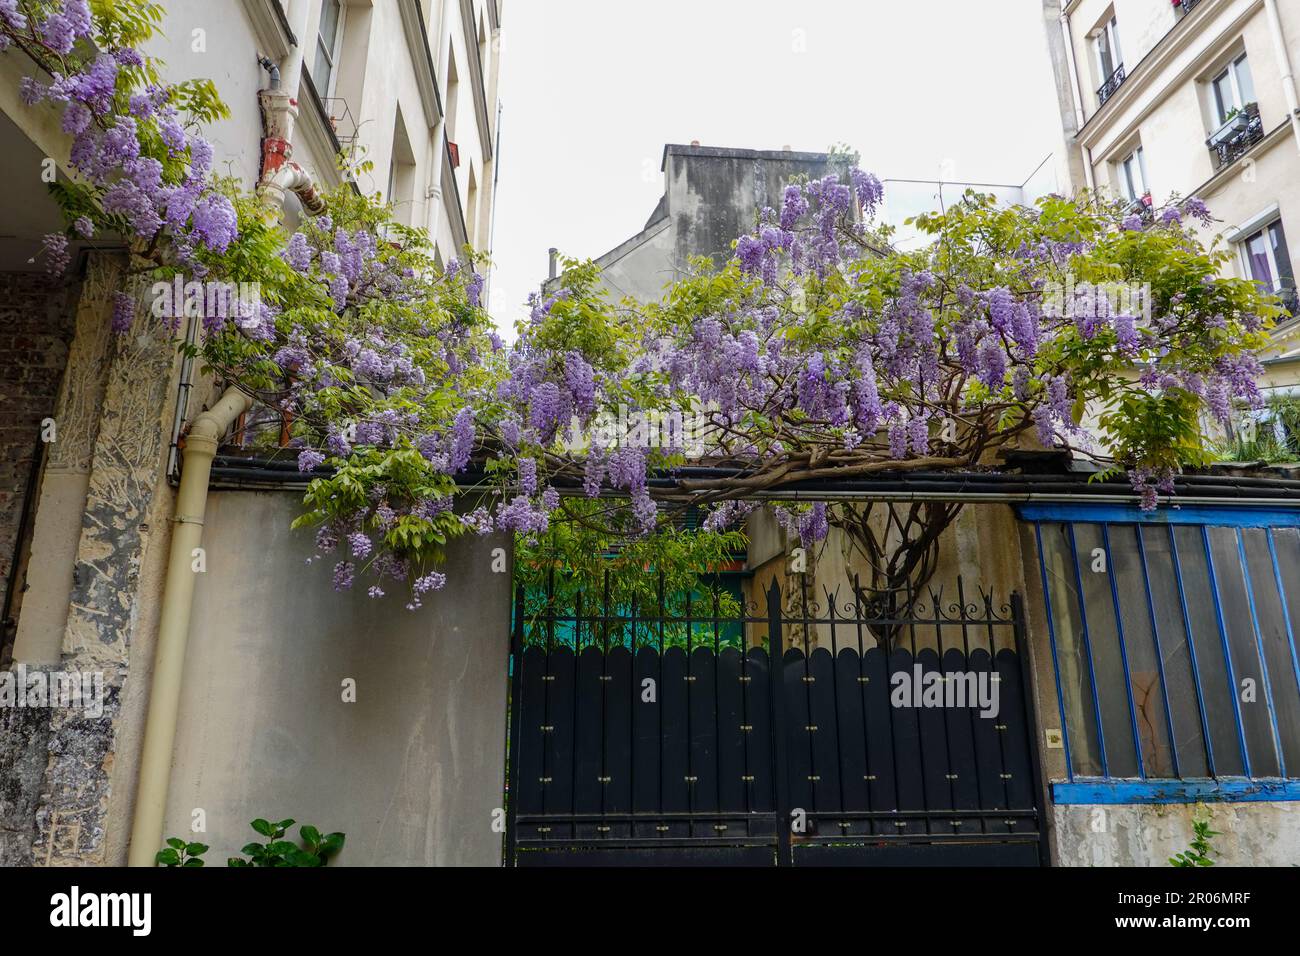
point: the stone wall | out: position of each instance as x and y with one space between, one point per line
36 326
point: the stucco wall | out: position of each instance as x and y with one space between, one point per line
411 771
1251 834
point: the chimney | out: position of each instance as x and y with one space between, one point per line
555 258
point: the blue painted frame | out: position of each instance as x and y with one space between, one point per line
1198 790
1112 790
1191 514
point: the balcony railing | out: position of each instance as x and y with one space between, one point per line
1242 131
1113 83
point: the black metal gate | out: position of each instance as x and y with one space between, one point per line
770 739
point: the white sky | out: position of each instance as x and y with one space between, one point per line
592 90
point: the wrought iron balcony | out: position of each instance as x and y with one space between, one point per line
1242 131
1113 83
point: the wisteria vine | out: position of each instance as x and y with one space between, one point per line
817 353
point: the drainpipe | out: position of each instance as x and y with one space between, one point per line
174 624
280 175
1074 72
1284 62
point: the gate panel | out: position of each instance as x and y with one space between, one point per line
661 742
850 729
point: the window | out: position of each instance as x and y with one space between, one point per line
1173 644
1266 259
1232 89
1109 58
1133 175
401 173
327 45
453 95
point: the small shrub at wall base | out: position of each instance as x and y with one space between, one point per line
315 849
1201 849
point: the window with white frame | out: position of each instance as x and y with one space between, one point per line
1106 45
328 35
1133 175
1232 89
1265 258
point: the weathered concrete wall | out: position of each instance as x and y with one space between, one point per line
412 770
1251 834
712 196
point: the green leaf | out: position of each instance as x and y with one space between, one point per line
263 827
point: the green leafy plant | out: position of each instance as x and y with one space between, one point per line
179 853
1201 849
312 848
314 851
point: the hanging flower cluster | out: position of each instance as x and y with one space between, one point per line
383 365
141 169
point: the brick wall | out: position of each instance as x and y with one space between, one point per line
36 325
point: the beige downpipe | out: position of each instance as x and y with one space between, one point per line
174 623
1284 61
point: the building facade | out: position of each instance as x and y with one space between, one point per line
1192 98
91 422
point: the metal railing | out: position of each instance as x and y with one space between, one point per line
1113 83
1243 130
